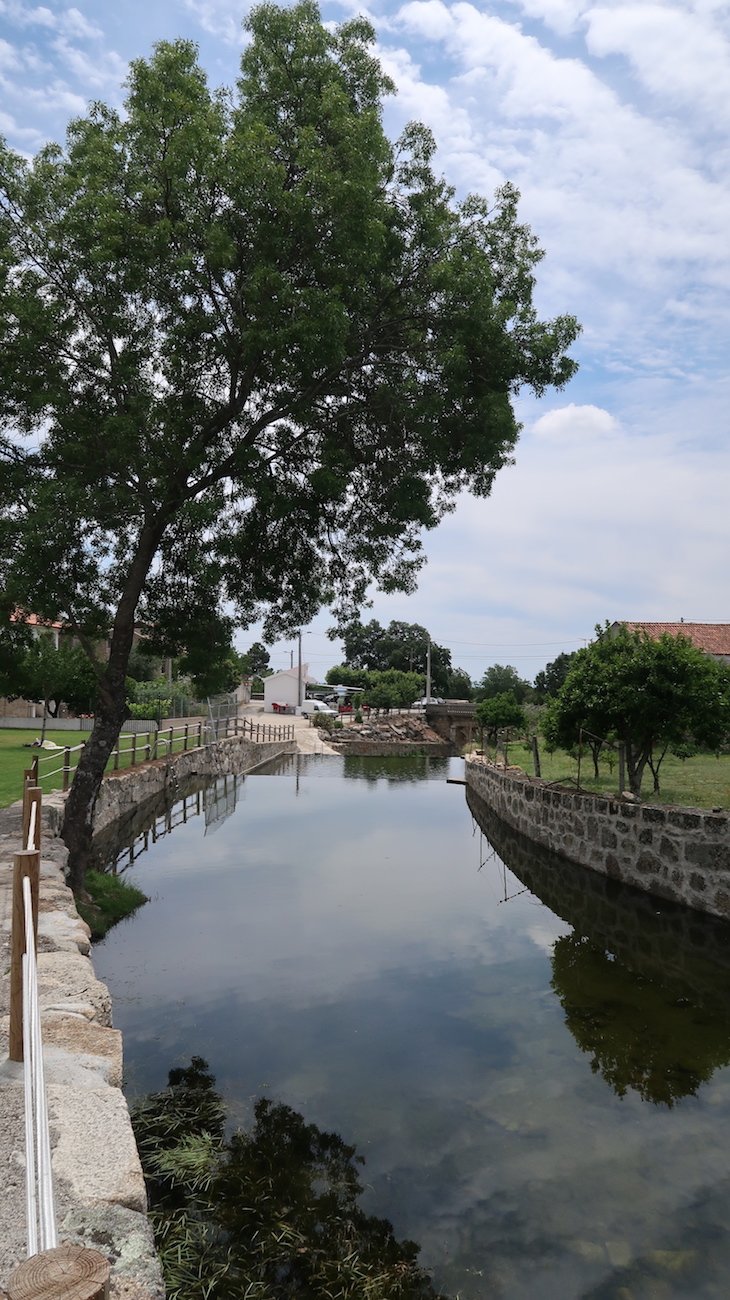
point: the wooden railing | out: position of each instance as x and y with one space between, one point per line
135 747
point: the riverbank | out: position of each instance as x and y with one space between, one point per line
682 854
100 1191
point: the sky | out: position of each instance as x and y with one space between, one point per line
612 120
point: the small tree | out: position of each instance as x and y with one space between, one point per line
255 661
500 713
650 694
393 689
53 677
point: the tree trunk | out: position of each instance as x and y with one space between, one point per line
45 720
111 709
635 764
78 822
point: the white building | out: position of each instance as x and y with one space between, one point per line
283 688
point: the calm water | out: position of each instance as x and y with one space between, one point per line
532 1060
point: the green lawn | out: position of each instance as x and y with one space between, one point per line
700 782
15 757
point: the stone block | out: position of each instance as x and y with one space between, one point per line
647 864
656 816
712 857
668 849
96 1153
685 820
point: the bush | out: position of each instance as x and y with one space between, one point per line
150 710
325 721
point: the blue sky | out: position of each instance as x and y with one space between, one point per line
612 119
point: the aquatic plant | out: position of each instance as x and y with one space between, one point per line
268 1214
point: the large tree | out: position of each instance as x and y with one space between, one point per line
647 694
502 679
403 646
549 680
256 348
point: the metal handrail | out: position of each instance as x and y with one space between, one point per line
40 1200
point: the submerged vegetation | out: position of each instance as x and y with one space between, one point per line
269 1214
108 899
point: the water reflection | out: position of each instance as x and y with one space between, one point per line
645 986
272 1211
119 847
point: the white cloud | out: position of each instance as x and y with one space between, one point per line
566 423
679 56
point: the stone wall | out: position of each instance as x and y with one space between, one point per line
122 792
100 1191
677 853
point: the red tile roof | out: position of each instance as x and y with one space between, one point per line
713 638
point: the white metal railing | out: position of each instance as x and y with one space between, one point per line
26 1043
40 1204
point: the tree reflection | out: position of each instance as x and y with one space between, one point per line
270 1214
655 1038
644 983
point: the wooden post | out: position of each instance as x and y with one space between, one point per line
187 732
32 795
66 767
621 767
154 751
116 756
172 730
134 748
147 748
27 863
69 1271
200 734
536 756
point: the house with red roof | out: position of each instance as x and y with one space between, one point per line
713 638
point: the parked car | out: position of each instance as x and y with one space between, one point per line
426 699
317 706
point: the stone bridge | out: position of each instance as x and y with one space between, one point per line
455 721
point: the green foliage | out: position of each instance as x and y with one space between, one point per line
401 645
392 689
459 685
651 695
151 710
269 1214
501 713
346 675
325 721
255 661
107 899
551 678
256 349
502 679
37 671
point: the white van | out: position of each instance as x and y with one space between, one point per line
316 706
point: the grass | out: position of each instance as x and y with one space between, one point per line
108 900
15 756
699 782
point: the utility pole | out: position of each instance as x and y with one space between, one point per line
291 658
428 669
299 689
